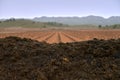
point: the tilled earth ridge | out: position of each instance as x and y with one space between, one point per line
26 59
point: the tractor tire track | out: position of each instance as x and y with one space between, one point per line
59 37
40 36
45 37
68 36
65 39
54 38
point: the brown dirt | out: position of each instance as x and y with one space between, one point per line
26 59
57 36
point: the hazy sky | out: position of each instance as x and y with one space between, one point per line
37 8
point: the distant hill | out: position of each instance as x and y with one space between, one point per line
76 22
28 23
94 20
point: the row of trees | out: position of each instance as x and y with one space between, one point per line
115 26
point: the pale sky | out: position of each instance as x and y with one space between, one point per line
37 8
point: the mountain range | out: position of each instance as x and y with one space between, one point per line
94 20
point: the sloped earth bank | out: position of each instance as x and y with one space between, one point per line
25 59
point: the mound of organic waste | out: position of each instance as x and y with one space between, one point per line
25 59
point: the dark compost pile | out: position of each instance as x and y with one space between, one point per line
26 59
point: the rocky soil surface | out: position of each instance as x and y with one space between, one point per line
26 59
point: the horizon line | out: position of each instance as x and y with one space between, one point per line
56 16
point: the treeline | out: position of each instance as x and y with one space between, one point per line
115 26
8 20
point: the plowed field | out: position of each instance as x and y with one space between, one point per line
57 36
26 59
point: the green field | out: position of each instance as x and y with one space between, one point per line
27 23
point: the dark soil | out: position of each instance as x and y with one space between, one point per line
25 59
